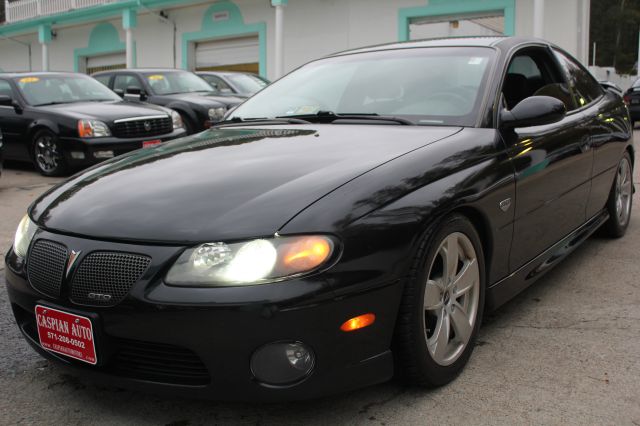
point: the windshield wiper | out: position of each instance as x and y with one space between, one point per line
55 103
237 121
330 117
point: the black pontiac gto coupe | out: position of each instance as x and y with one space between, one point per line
350 222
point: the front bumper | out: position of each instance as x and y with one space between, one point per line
220 328
85 152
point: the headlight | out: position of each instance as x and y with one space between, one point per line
177 120
217 114
24 235
93 129
252 262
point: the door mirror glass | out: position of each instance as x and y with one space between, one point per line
534 111
6 100
136 91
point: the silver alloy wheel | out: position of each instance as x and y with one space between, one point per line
451 298
624 192
46 153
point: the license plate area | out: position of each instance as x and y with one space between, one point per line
66 334
149 144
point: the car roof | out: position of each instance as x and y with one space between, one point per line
223 72
505 42
37 74
140 70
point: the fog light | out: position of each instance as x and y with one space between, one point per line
103 154
282 363
77 155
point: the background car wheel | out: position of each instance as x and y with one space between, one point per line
47 155
188 125
442 304
620 199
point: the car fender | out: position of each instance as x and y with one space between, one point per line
382 216
41 124
184 109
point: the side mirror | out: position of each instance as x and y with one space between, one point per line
119 92
136 91
226 91
6 100
214 85
534 111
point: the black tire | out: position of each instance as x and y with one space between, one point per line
619 220
414 363
48 157
189 127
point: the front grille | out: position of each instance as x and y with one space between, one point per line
107 273
46 265
159 362
143 127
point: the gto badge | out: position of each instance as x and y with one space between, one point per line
147 125
72 260
505 204
99 296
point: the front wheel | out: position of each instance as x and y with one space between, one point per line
47 155
620 199
442 305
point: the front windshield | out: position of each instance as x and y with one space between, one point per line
428 86
247 83
62 89
167 83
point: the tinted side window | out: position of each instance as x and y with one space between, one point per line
5 88
221 84
104 79
533 72
585 88
123 82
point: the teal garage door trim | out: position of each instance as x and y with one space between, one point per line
223 20
437 8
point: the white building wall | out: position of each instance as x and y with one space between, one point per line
14 56
154 42
312 28
563 22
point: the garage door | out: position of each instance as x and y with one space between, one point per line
473 24
111 61
234 54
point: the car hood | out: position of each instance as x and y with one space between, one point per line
222 184
199 98
104 111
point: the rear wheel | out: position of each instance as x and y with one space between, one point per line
620 199
47 154
442 305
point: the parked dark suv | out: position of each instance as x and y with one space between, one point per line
62 121
183 91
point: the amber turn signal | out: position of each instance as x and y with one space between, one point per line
84 129
358 322
307 253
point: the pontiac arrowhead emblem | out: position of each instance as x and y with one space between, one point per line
72 259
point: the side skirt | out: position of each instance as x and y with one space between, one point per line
510 286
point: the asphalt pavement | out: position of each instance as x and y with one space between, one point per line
565 351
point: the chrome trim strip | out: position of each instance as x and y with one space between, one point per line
146 117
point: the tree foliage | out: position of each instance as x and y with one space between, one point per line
614 27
